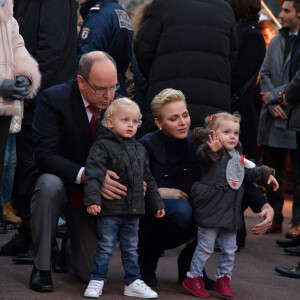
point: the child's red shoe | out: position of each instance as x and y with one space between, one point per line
223 286
196 286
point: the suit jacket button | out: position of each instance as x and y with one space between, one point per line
185 171
166 176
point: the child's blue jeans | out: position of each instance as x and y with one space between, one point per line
109 230
205 248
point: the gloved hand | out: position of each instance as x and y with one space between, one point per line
10 91
23 81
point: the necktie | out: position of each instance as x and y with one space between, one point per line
291 39
93 121
294 55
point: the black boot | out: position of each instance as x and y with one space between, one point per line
17 245
295 242
59 261
184 259
24 259
209 283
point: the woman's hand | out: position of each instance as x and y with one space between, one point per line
274 182
167 193
111 189
267 213
160 213
94 209
214 143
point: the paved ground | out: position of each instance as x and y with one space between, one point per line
253 278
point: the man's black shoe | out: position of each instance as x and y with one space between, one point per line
295 272
17 245
24 259
295 242
293 250
59 263
41 281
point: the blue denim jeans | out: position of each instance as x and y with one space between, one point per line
109 230
205 248
10 163
179 211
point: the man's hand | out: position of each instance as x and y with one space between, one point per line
94 209
282 101
265 98
160 213
130 91
111 189
214 143
278 113
267 213
274 182
166 193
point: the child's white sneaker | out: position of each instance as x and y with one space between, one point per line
94 289
140 289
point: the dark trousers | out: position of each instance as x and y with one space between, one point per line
48 201
156 235
21 197
276 158
296 202
4 130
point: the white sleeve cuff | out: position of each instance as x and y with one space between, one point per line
78 178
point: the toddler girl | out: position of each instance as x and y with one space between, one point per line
216 198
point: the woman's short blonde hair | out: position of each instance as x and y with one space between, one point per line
121 103
212 122
164 97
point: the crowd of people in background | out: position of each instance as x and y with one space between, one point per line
106 118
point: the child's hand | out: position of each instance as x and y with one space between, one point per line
160 213
94 209
274 182
215 144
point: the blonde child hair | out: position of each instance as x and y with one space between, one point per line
121 103
212 122
164 97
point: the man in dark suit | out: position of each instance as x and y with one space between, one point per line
62 138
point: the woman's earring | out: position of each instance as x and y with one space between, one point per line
160 128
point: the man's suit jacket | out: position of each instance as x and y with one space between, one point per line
61 132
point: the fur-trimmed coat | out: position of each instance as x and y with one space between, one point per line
215 203
15 60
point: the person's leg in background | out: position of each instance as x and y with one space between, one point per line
276 158
21 243
295 156
4 130
10 162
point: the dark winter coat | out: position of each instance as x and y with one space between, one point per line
188 45
292 91
129 160
49 32
251 54
215 203
182 175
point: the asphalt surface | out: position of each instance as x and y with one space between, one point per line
253 277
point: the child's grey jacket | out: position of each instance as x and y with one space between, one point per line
129 160
215 203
